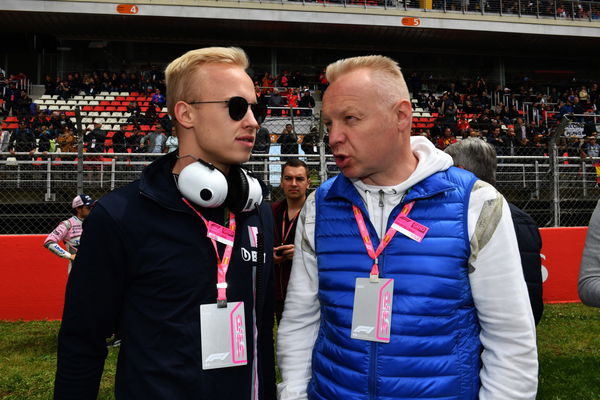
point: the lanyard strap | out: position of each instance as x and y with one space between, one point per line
223 264
287 233
374 254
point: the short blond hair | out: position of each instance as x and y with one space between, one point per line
390 79
178 72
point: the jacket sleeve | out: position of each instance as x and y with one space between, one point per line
589 274
530 245
302 313
92 303
509 356
52 240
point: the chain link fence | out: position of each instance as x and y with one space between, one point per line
552 182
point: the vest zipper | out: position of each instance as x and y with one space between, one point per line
382 228
373 372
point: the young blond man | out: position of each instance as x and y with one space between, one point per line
179 263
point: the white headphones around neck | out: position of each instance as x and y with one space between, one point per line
207 186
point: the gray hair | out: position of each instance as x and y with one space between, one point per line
477 156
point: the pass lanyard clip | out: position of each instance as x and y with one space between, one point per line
224 235
364 233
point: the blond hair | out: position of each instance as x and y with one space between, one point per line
179 71
390 80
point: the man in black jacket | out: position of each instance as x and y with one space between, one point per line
479 157
22 140
185 280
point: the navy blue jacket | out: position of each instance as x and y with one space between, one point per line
143 269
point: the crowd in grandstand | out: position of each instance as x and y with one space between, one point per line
515 122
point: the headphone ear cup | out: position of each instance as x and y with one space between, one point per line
237 189
244 190
203 185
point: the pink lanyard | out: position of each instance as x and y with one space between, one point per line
384 242
287 233
223 264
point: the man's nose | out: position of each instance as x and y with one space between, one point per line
336 135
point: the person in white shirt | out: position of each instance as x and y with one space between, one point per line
450 311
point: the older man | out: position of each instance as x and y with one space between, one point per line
408 283
179 263
479 157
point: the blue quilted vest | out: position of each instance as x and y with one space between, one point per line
434 351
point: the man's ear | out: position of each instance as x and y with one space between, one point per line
403 111
183 114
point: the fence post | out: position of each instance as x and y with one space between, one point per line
322 159
113 173
583 178
555 183
49 196
79 150
554 134
537 179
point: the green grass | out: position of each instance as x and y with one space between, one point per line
569 352
568 343
28 361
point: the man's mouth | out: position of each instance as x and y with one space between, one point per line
247 140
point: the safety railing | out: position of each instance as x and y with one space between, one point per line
35 192
554 9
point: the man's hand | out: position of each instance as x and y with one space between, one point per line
72 257
283 253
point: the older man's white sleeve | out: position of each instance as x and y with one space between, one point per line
302 313
509 357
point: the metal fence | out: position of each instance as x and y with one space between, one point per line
554 9
36 190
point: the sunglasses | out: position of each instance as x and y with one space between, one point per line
238 107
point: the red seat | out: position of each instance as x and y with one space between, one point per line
88 108
121 108
98 108
11 119
104 103
111 108
120 98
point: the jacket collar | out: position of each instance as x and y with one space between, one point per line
342 188
158 184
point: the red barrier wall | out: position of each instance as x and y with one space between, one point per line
561 256
32 280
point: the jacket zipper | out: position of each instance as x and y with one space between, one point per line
373 368
372 372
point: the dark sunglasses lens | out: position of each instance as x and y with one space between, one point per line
238 107
259 111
